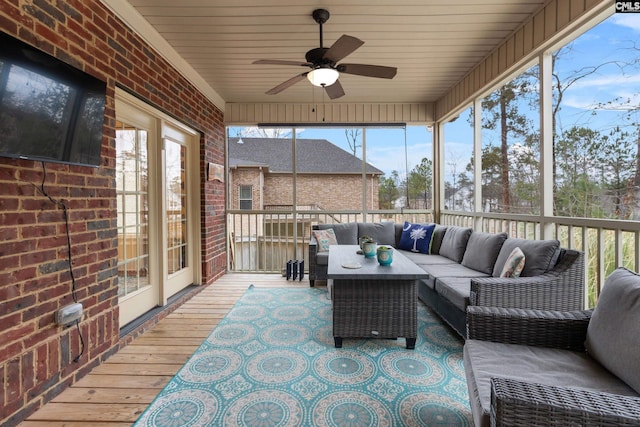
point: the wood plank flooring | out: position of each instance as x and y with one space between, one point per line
115 393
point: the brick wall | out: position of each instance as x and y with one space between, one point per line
36 355
329 192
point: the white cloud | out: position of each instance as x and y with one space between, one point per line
628 20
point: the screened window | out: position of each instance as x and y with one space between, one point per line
596 113
246 197
458 162
511 146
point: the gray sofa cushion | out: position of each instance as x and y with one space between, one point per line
482 251
436 240
455 289
425 259
346 234
383 233
454 242
613 335
440 271
550 366
540 256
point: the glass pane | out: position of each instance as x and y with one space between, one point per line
511 146
404 157
176 205
595 123
329 167
132 205
458 162
246 192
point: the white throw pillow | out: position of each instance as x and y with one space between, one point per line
514 264
325 238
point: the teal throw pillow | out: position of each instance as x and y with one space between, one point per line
416 237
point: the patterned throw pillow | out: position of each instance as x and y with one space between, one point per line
416 237
324 238
514 264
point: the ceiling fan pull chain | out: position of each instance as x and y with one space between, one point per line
323 106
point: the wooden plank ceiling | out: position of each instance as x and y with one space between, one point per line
433 43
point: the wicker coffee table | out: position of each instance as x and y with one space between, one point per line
372 301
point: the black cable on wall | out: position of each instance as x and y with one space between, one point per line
61 205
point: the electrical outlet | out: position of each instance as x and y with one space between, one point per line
69 314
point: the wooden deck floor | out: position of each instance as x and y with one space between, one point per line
116 392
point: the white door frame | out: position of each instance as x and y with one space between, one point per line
132 110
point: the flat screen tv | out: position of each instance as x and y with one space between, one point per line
49 110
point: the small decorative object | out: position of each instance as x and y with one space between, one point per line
215 172
352 265
385 255
369 249
363 239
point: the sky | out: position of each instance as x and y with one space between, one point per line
615 40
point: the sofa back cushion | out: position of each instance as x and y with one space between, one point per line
540 255
438 236
482 251
346 234
383 233
613 335
454 242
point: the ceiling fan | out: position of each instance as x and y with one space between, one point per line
323 62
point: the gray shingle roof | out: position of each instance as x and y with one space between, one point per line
314 156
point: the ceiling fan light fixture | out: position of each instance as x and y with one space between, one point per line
323 76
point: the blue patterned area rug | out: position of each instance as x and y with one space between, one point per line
271 362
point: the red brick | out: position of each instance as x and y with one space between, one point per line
28 371
53 364
41 362
13 380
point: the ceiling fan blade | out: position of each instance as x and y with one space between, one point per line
282 86
379 71
344 46
281 62
335 90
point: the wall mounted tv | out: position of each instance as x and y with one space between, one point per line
49 110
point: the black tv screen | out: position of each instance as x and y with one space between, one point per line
49 110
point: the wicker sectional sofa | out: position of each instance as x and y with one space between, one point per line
464 266
539 368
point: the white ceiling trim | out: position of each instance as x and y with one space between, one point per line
129 15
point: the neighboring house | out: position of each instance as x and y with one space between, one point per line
327 177
260 178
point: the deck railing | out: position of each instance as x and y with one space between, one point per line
263 241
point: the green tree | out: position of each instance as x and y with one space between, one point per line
578 159
388 191
419 182
617 157
492 178
501 112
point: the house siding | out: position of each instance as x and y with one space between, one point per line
36 355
